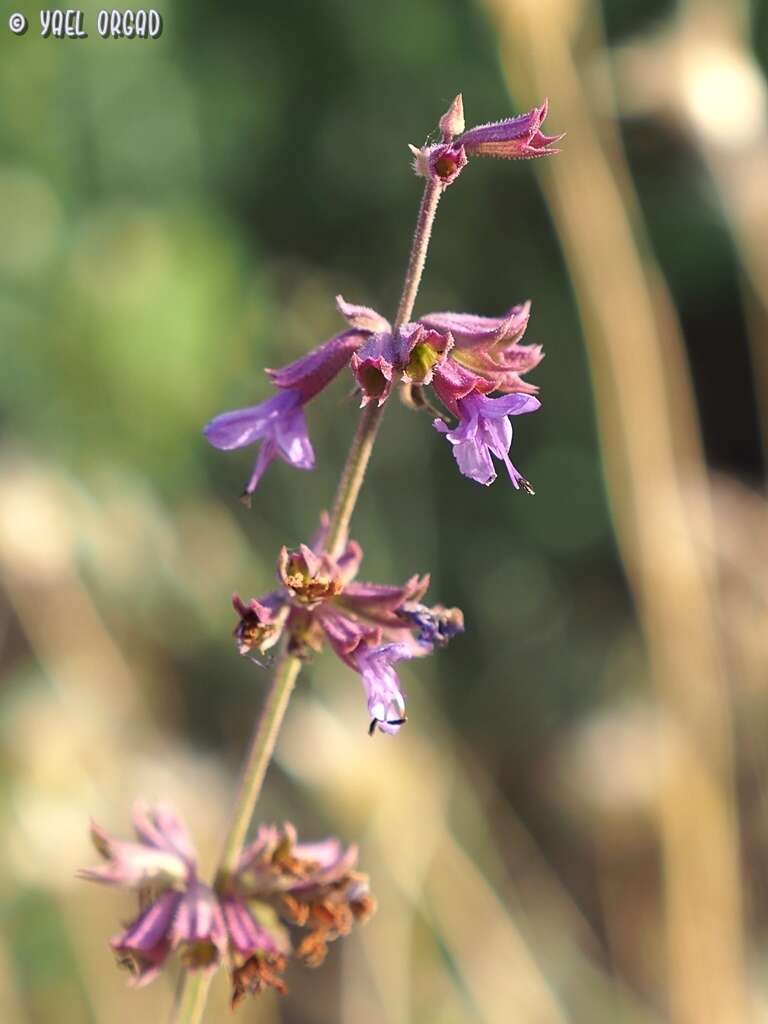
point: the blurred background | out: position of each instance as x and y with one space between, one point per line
573 826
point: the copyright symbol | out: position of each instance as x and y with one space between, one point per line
17 23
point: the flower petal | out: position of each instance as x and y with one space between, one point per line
247 937
469 331
386 702
198 926
363 318
513 138
161 826
474 461
242 427
145 944
311 373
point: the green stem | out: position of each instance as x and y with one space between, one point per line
259 755
190 1002
191 996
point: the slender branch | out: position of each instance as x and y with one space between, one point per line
352 477
192 995
259 755
421 236
353 473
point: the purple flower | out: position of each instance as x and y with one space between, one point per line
177 910
198 928
144 945
386 702
320 601
484 430
279 422
456 353
514 138
310 886
411 356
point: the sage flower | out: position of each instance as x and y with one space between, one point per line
279 422
279 884
484 429
455 353
368 625
514 138
176 910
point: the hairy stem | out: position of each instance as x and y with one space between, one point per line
426 218
190 1003
353 473
352 477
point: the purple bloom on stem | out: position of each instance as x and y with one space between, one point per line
484 430
177 910
386 703
280 425
514 138
311 886
370 626
279 422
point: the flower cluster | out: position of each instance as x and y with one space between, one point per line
463 357
515 138
370 626
278 884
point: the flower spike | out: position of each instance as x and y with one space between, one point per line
369 626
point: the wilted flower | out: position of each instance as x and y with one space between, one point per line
366 624
515 138
311 886
436 625
278 883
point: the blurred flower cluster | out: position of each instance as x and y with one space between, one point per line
244 920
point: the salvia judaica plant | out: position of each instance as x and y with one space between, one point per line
276 897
